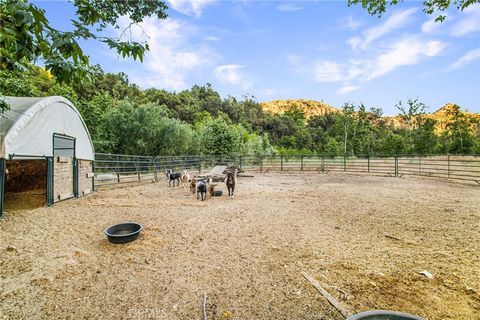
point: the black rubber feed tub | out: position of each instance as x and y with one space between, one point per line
383 315
123 232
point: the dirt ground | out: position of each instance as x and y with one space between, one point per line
364 238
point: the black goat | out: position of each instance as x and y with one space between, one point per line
202 189
230 181
172 176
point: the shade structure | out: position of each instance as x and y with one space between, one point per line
28 128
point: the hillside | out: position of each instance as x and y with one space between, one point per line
310 107
314 108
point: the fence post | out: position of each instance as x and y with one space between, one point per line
137 167
117 164
344 162
448 159
2 184
301 163
396 166
419 165
155 172
240 162
118 177
199 164
281 162
368 163
323 163
93 178
261 163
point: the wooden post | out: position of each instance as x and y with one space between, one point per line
344 162
368 163
281 163
240 164
301 163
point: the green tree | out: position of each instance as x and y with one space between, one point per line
424 139
27 36
218 137
459 136
379 7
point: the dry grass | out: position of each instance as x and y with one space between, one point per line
248 253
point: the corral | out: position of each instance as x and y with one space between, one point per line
364 238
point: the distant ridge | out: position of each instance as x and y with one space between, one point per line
309 107
319 108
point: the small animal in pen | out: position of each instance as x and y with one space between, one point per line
231 181
172 176
201 188
193 184
185 178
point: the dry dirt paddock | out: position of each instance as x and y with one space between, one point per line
248 253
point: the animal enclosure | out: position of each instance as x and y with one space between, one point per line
366 239
113 168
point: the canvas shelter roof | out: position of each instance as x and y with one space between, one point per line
28 127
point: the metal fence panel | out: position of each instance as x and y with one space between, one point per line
117 168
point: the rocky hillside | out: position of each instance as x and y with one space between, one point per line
310 107
313 108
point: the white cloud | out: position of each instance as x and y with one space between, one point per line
347 89
232 74
430 26
465 59
189 7
407 51
212 38
469 22
171 58
288 7
351 23
354 42
328 71
395 21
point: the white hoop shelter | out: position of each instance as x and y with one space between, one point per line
45 142
28 127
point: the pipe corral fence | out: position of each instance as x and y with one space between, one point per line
117 168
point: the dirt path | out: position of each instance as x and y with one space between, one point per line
248 253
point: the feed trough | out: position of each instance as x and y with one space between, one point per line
123 232
383 315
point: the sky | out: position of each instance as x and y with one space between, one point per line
319 50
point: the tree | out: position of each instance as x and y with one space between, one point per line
411 111
218 137
26 35
425 141
459 136
379 7
348 110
